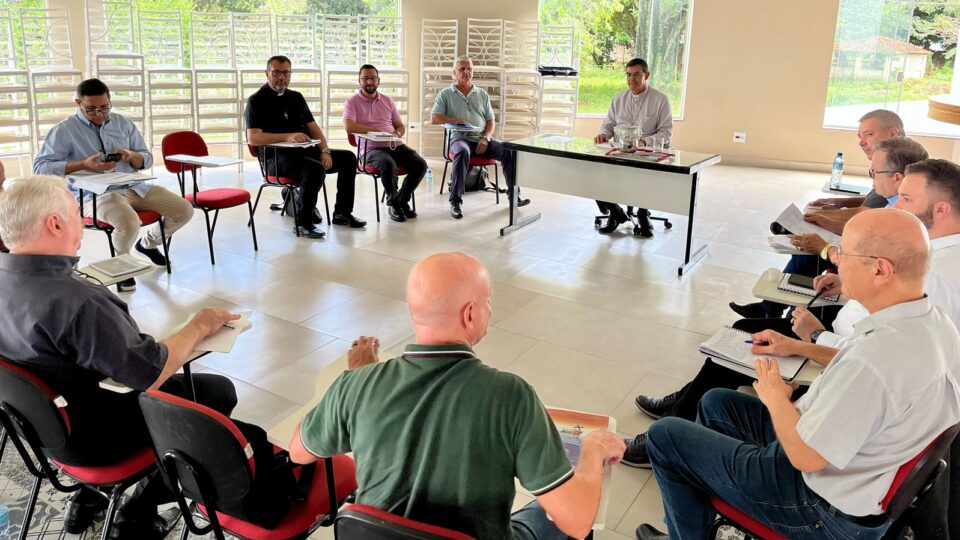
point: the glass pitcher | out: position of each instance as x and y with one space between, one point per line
627 137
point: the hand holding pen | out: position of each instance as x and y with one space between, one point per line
771 343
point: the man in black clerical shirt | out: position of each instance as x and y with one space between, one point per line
277 114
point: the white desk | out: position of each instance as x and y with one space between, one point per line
849 189
576 166
766 289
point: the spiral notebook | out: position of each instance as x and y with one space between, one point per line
786 286
729 347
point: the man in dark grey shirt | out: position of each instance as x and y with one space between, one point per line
73 333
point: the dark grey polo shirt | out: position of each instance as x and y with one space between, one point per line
69 331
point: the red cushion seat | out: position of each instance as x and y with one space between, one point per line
147 217
744 521
373 170
477 161
304 515
220 197
271 179
113 473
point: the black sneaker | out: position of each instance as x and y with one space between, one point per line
636 454
154 254
749 311
82 509
649 532
455 211
656 407
127 285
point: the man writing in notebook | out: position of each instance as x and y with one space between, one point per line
97 140
439 437
822 464
73 333
643 106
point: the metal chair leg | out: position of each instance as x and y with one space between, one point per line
443 179
253 228
206 217
259 192
496 181
111 513
326 204
166 245
31 505
376 196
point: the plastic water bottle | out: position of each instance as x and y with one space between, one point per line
837 177
5 532
429 180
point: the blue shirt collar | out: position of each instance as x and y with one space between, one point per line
86 121
892 201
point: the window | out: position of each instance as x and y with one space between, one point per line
893 54
614 31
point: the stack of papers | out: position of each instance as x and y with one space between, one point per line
781 244
792 219
308 144
104 182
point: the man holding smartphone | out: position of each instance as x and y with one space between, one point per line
97 140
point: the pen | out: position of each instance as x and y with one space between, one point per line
815 297
752 342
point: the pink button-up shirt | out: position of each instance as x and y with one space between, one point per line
379 113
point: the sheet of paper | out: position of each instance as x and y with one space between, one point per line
206 161
307 144
792 219
222 341
101 183
781 244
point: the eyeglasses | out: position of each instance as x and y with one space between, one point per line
102 111
840 253
369 79
637 75
873 173
278 73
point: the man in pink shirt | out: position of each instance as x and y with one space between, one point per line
369 110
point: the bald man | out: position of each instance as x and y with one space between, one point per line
439 437
819 466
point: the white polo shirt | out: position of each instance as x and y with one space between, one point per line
942 285
892 388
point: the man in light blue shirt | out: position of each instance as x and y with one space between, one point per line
464 103
96 140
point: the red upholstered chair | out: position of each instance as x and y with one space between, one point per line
475 161
275 180
364 168
208 200
147 217
363 522
914 479
204 457
35 419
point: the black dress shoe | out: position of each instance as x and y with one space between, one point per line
82 509
777 228
156 528
349 221
522 202
749 311
154 254
455 211
308 231
408 212
276 207
127 285
396 213
656 407
636 454
613 221
647 532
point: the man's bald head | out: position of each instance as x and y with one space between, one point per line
894 235
448 296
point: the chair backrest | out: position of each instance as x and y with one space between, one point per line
915 477
32 408
199 447
182 142
363 522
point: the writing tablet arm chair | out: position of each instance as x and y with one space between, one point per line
363 522
913 480
365 168
36 419
475 161
276 180
203 456
147 217
208 200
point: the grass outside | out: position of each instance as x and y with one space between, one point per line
845 92
599 85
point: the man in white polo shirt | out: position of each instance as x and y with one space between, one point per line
824 461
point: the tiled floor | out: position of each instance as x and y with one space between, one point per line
589 320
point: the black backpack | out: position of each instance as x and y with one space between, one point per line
477 179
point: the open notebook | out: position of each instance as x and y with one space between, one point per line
729 347
803 289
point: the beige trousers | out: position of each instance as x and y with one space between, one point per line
120 210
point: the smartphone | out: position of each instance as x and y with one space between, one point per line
800 281
111 157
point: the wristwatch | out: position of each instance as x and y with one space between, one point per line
485 138
816 334
324 150
825 252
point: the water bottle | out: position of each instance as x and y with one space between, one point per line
837 177
5 532
429 180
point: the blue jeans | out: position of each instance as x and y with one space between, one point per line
462 149
732 451
531 523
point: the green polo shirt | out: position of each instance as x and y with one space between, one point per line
474 107
439 437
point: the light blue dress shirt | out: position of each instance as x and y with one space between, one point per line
78 138
892 201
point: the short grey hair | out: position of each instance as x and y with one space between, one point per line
887 119
901 152
462 58
25 203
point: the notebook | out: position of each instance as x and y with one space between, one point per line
729 347
786 286
120 266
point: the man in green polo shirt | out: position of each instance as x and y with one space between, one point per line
438 436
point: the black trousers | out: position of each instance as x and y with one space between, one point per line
713 375
388 160
304 165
